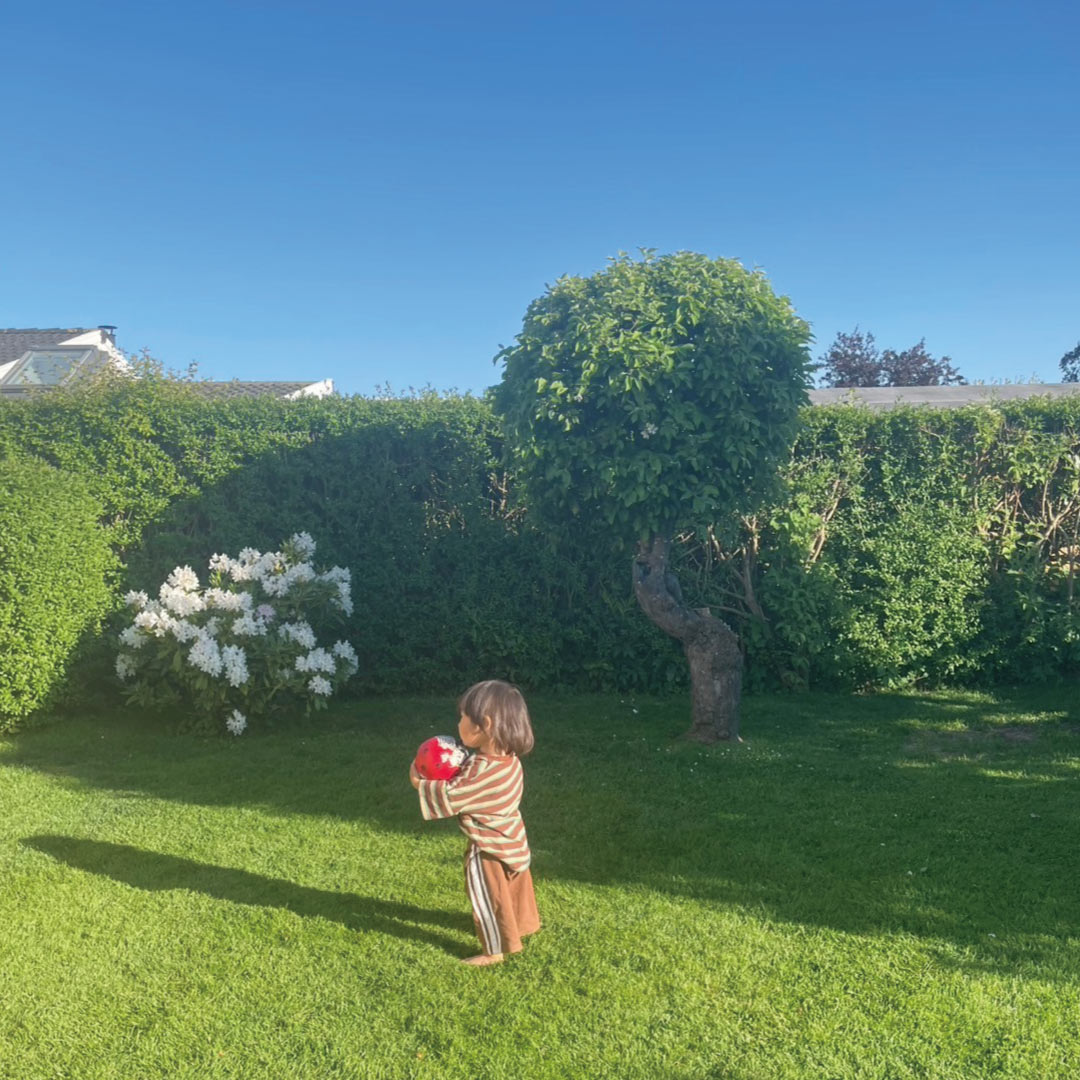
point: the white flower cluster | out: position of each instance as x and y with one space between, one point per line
248 626
154 619
346 652
342 579
185 631
180 593
277 573
183 578
303 545
234 660
237 722
205 654
316 660
228 601
299 632
251 565
279 584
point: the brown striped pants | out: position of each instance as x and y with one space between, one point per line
503 902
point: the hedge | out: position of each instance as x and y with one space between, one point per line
55 586
912 546
451 581
917 546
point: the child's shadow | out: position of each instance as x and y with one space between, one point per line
157 872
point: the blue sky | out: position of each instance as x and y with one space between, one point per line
375 193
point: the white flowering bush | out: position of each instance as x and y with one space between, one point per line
243 645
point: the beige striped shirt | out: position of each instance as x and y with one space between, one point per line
484 797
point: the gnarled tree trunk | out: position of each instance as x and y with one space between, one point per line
711 646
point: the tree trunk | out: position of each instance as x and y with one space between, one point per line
711 646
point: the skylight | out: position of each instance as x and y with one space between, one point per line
48 367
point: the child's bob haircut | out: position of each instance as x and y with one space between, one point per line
505 707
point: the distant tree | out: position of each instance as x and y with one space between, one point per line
854 360
916 367
1070 365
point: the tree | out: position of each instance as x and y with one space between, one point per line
660 394
853 360
1070 365
916 367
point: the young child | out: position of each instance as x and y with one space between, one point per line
484 797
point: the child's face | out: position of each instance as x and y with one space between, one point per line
472 736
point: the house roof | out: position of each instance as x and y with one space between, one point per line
238 389
13 343
938 397
16 343
220 390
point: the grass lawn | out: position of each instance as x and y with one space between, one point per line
867 887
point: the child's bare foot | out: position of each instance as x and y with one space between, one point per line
483 961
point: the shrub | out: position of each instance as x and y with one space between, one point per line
245 645
55 582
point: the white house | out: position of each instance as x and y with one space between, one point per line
39 359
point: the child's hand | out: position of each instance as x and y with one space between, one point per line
414 776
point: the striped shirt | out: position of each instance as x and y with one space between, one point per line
484 797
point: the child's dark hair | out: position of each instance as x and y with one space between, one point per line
504 705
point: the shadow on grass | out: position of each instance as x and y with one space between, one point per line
157 872
947 817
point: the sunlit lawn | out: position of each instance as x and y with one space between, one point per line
868 887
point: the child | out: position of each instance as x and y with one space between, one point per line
484 797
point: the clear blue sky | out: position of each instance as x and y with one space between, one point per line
309 190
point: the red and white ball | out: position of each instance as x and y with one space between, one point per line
440 758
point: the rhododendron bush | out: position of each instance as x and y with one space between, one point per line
244 645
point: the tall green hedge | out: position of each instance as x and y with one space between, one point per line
55 567
911 546
917 545
451 581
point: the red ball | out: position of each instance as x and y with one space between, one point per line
440 758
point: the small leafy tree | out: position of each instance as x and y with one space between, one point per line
854 360
659 394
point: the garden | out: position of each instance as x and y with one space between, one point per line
802 802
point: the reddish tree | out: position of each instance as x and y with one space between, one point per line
854 360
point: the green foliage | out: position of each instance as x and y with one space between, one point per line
660 393
451 583
55 569
910 602
918 545
906 546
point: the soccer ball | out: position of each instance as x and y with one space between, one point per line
440 758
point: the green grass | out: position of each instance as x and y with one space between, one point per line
868 887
